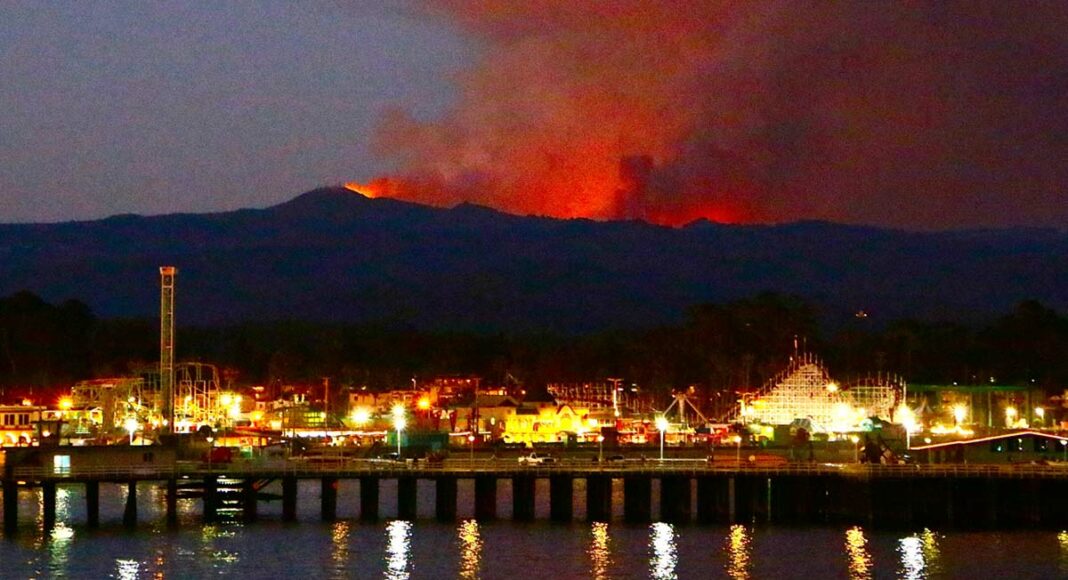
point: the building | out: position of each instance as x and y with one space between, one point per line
1016 447
985 405
19 424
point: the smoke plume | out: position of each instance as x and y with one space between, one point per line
918 114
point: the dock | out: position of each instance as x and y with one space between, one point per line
690 491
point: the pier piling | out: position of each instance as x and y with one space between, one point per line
11 506
485 497
211 498
249 500
328 498
598 498
675 499
92 503
48 504
561 498
171 499
129 514
368 499
713 500
407 493
637 499
523 495
445 499
289 499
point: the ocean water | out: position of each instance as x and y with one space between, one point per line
423 548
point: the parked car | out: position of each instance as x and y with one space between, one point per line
536 459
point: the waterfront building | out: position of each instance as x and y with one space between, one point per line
19 424
1015 447
989 405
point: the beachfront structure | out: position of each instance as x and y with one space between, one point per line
805 392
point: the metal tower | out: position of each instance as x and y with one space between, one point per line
166 345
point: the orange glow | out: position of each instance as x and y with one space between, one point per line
66 403
423 404
380 187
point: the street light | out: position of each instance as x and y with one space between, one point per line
661 425
471 441
398 424
856 448
600 449
211 449
1040 412
738 454
1010 416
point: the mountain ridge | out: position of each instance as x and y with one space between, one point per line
331 254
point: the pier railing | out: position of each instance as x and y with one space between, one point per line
511 468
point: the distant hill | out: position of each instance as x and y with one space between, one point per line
330 254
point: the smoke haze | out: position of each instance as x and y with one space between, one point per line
917 115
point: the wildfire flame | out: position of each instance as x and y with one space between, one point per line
381 187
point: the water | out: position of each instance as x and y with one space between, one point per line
501 549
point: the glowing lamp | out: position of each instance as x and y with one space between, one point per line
360 416
959 413
661 423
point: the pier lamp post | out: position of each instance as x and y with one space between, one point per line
738 453
398 424
856 448
211 450
1040 413
600 448
661 426
1064 446
471 446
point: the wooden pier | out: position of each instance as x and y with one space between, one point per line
906 495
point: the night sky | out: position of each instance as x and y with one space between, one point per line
922 115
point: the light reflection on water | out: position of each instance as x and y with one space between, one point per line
127 569
398 549
860 562
739 552
665 551
58 545
339 553
920 555
600 556
470 549
1062 540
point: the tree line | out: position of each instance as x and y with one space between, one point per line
716 347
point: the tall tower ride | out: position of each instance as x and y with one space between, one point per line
168 274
